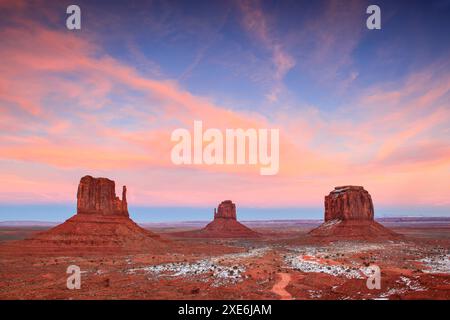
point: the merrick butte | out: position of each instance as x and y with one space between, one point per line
209 147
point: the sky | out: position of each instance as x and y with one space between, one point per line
352 105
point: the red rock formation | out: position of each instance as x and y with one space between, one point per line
348 203
349 214
225 210
102 222
98 196
224 225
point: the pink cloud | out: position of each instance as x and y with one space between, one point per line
59 113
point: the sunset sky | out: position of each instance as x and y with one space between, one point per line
353 106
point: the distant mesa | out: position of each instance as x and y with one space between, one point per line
102 222
225 210
224 225
349 214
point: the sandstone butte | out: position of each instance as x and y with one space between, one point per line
101 222
349 214
224 225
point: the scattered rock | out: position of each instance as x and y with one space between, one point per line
195 291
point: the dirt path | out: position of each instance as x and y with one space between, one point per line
279 287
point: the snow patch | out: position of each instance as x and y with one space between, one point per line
437 264
411 284
301 264
213 267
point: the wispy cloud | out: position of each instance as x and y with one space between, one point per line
70 108
257 24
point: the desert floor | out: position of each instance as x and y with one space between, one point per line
284 264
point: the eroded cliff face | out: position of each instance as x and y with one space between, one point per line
225 210
98 196
349 203
349 215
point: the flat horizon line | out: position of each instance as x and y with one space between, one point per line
45 222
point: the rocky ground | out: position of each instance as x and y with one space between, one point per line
288 266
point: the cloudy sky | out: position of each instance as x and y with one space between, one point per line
353 106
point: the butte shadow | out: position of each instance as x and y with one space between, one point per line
349 215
